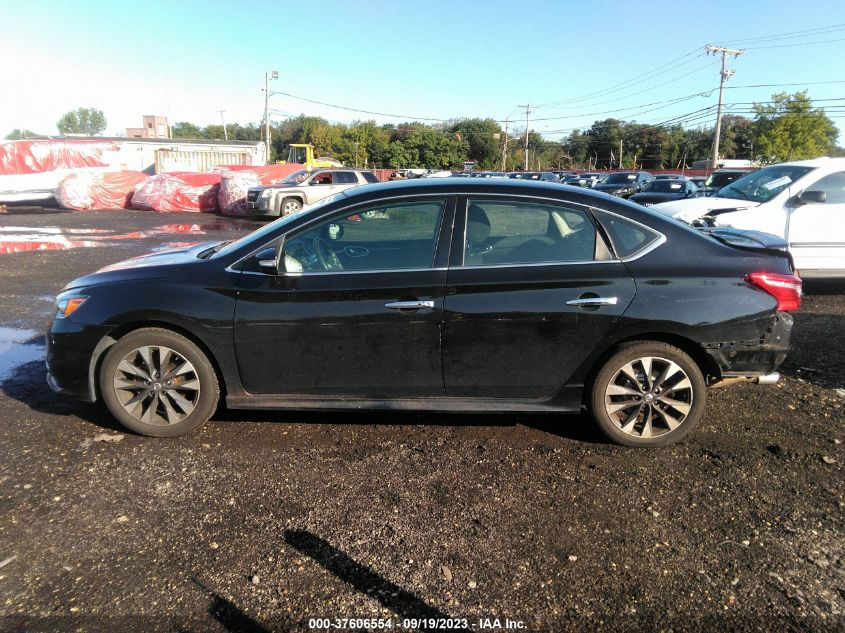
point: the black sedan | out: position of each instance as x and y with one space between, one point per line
664 190
624 183
448 295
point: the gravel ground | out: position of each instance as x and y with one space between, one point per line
261 521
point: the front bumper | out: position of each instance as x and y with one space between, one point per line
757 357
73 351
258 205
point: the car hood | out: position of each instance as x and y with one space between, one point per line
617 187
655 198
152 266
691 209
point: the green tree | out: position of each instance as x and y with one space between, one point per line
735 140
484 140
789 128
16 135
183 129
86 121
576 147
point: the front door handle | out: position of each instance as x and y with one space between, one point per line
409 305
593 301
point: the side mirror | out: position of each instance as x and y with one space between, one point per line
812 197
270 259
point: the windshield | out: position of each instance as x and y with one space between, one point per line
259 234
296 177
764 184
618 179
717 180
664 186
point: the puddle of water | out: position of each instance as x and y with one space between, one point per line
35 242
19 239
15 350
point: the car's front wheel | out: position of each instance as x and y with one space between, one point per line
158 383
648 393
290 205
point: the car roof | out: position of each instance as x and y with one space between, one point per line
822 161
450 185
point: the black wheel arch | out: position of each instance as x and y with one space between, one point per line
591 367
122 330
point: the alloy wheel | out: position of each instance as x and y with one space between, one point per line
649 397
156 385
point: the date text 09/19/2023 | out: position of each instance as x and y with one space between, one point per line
416 624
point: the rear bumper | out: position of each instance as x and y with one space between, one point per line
759 357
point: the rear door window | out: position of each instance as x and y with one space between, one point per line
504 232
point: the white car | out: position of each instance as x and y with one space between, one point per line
802 202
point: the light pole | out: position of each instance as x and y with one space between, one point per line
225 133
267 77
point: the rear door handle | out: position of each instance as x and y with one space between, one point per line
593 301
409 305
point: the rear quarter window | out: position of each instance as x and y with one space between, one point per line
627 237
370 176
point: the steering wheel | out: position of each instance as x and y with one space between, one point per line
328 258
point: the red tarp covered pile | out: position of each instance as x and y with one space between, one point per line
90 191
237 179
35 157
178 191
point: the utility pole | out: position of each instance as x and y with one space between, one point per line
724 76
267 77
620 153
505 147
356 153
225 133
527 107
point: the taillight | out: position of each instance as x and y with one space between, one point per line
785 288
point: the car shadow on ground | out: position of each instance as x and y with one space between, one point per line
27 384
360 577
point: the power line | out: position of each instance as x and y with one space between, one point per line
755 48
331 105
599 93
819 30
639 92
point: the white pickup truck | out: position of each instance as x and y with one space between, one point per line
802 202
302 188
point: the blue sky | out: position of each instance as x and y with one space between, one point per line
421 59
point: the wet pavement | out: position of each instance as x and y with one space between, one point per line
262 521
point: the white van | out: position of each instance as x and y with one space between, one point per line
802 202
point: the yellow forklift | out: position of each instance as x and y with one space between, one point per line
303 153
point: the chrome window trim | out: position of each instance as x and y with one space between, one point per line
345 272
589 208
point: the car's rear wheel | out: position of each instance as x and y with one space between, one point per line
290 205
158 383
648 393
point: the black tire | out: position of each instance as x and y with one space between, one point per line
289 205
195 391
666 411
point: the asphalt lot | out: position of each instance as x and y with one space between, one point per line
260 521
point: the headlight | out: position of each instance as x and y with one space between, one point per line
266 193
67 304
